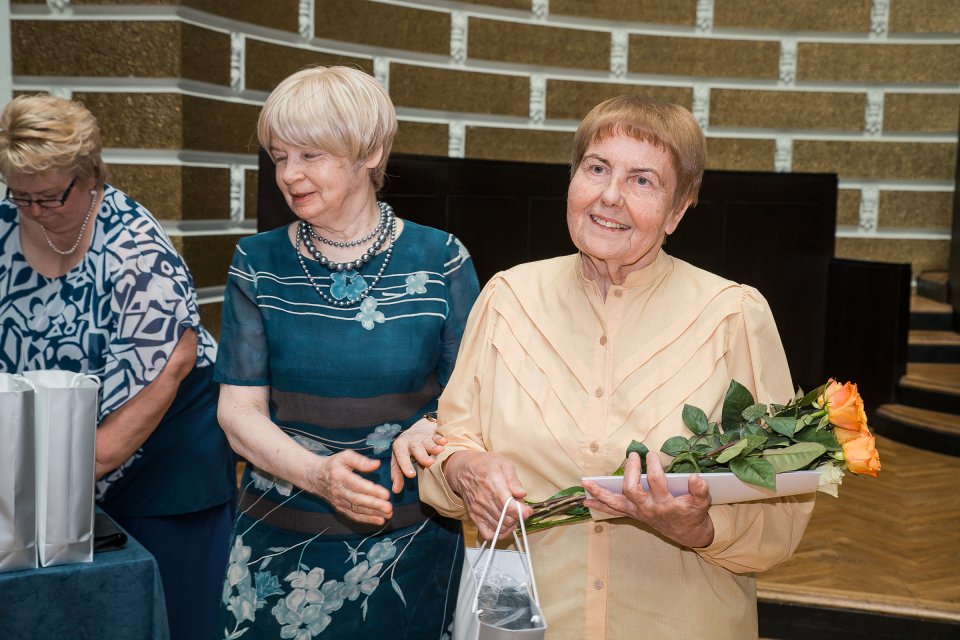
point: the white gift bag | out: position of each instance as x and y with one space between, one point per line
65 418
18 525
517 616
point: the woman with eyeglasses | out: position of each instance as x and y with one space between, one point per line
89 282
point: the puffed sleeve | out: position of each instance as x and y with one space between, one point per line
153 299
755 536
461 292
243 359
459 411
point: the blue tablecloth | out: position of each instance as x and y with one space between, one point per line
118 595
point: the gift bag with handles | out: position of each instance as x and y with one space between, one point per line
498 597
18 526
65 419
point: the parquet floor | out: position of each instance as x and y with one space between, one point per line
887 544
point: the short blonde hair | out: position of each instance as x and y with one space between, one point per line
340 110
43 132
662 124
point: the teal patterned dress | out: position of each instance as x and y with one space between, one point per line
342 378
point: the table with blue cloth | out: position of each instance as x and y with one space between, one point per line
118 595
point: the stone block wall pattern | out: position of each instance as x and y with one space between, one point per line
867 89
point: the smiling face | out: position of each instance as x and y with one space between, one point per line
320 187
620 204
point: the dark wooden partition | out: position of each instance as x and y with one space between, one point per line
774 231
867 327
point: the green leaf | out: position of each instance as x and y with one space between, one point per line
794 457
824 437
638 448
778 441
681 467
811 397
538 525
755 471
752 430
806 420
730 436
737 399
675 446
641 450
569 491
756 441
753 412
783 425
732 451
688 458
695 419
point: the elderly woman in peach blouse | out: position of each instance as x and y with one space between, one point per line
565 361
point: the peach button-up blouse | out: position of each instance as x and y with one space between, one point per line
560 380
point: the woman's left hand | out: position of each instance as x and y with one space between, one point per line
683 519
420 442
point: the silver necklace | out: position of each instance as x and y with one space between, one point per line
76 243
392 227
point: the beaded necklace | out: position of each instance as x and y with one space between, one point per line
354 243
348 268
76 243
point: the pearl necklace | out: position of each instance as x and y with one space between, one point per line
391 227
384 207
83 228
303 235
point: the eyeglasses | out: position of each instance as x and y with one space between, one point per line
46 203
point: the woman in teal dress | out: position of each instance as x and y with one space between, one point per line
338 334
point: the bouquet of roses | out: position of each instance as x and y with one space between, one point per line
825 430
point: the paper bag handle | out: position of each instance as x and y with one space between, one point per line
24 379
80 377
524 550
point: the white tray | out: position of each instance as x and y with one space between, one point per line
725 487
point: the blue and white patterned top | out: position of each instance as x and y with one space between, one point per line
118 315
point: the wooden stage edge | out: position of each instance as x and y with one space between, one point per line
842 600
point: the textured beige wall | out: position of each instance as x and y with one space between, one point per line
867 89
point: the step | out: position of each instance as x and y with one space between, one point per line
934 285
931 430
929 385
930 314
933 346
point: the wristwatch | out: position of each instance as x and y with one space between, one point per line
430 416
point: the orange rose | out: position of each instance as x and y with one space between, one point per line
861 454
844 408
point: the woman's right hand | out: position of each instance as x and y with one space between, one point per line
338 482
485 481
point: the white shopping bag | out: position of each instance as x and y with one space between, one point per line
480 565
65 418
18 525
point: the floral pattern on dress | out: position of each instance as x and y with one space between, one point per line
369 316
382 437
347 284
263 481
417 283
307 604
